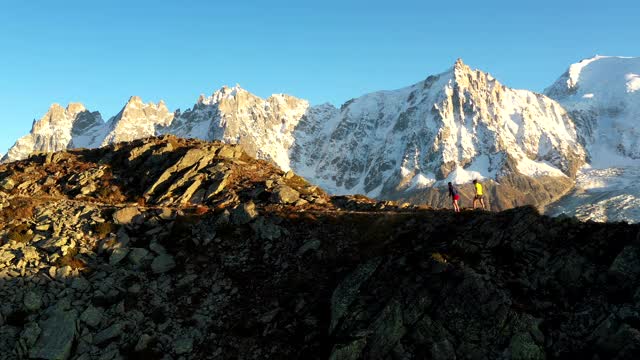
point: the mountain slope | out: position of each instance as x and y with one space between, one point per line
176 248
602 94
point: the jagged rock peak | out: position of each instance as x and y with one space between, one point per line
75 107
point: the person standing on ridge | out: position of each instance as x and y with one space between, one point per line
479 198
455 196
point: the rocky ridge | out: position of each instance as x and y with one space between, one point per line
205 253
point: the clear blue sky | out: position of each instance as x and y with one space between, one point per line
101 52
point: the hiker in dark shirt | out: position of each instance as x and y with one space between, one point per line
455 196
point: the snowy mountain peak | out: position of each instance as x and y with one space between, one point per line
75 108
601 94
460 65
226 92
612 75
137 120
58 117
457 126
55 131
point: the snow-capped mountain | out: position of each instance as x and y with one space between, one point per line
137 120
403 144
76 127
602 95
60 128
456 126
265 127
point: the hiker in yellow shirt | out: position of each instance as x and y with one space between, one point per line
479 198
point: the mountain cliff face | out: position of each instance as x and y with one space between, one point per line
404 144
176 248
602 95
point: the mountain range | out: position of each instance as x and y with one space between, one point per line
406 144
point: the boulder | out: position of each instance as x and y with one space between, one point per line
163 263
32 301
108 334
284 194
126 215
137 256
92 316
183 346
57 336
117 255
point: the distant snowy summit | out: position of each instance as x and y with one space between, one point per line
602 96
407 144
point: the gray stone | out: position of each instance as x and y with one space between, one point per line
284 194
117 255
143 342
350 351
30 333
92 316
137 256
265 229
32 301
157 248
126 215
108 334
163 263
80 284
311 245
183 346
348 290
56 339
523 347
244 213
626 266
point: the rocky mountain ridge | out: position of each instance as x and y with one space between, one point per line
203 252
404 144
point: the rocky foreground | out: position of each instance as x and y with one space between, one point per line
179 249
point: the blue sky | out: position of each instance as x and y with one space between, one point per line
101 53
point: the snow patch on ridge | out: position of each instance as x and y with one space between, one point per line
633 82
